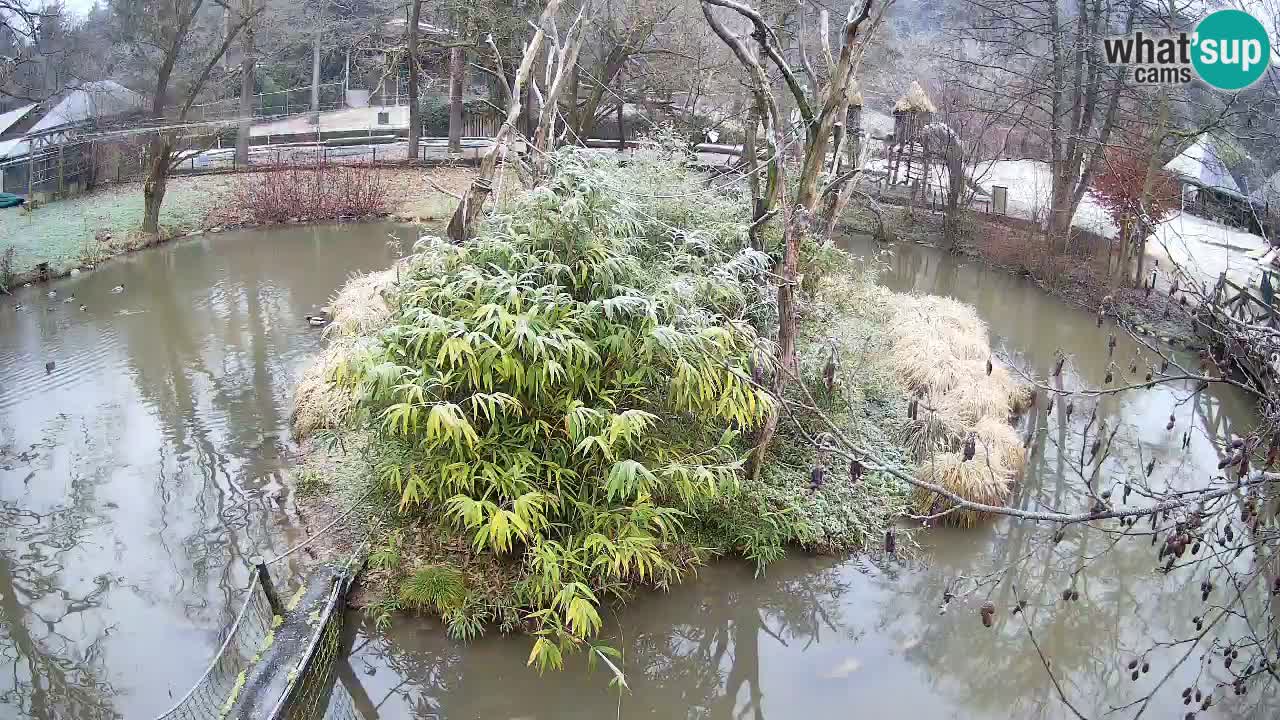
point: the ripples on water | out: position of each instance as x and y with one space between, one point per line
864 637
137 475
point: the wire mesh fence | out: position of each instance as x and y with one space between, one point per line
278 103
341 705
214 693
311 693
256 675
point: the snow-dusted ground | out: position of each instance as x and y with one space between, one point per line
1207 248
1204 248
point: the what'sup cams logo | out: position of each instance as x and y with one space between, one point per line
1229 50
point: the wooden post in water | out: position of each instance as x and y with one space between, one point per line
264 579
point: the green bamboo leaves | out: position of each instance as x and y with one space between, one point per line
567 400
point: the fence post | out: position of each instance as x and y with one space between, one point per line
264 579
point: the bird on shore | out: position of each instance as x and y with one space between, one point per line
49 366
117 289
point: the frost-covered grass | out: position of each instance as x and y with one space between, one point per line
64 233
70 233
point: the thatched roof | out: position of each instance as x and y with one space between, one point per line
915 100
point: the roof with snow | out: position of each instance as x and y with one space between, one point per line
1199 164
88 101
7 120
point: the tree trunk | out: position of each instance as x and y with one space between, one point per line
795 230
566 66
752 166
575 114
1148 181
153 188
415 119
315 78
457 75
622 122
247 64
1058 224
464 216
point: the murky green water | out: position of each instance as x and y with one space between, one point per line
137 475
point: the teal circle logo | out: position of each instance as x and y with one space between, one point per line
1232 50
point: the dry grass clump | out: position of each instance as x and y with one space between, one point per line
941 350
361 306
998 442
319 404
358 310
976 480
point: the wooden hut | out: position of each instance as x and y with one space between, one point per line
911 113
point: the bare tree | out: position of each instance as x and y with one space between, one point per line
248 64
178 41
562 63
473 200
1047 56
819 110
414 50
622 34
457 76
19 31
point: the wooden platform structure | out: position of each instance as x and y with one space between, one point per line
906 151
1246 319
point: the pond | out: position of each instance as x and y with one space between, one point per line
137 475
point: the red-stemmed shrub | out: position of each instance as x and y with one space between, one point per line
310 192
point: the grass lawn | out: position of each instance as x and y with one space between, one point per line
63 233
71 233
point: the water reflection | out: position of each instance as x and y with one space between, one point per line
136 475
840 637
